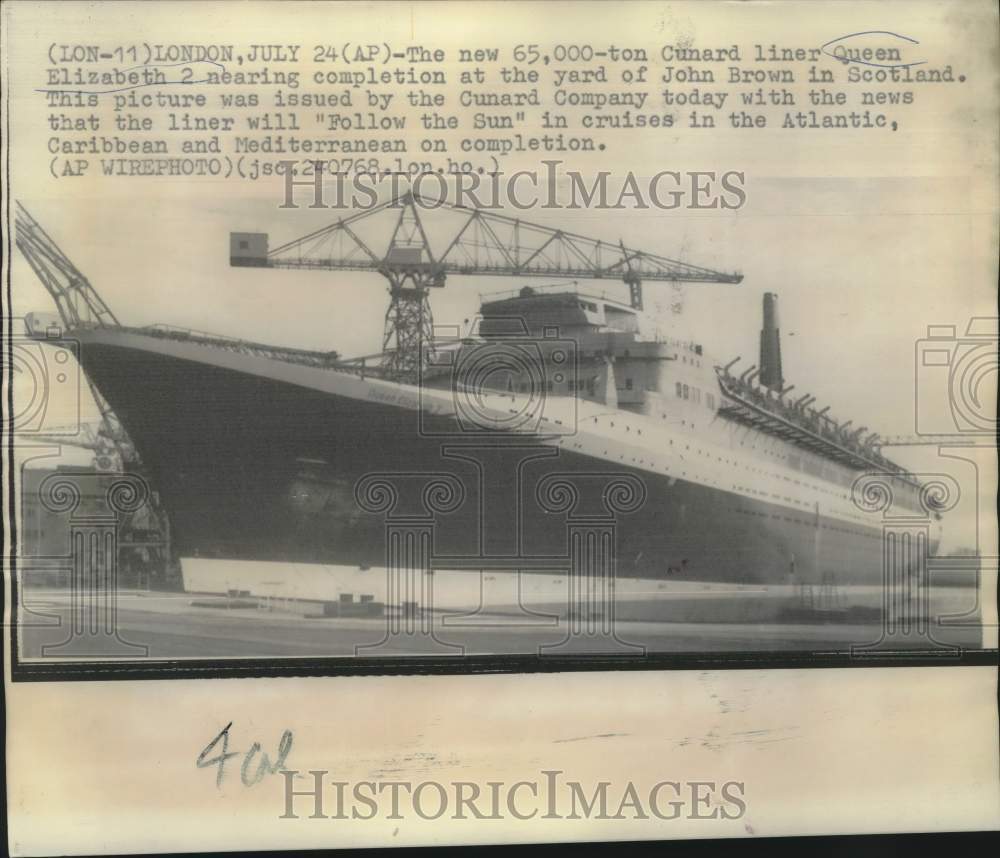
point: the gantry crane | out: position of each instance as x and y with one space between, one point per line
481 242
146 531
76 300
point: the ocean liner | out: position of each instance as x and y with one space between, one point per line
259 452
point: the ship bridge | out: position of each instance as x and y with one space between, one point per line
532 311
613 362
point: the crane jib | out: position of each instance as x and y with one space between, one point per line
481 242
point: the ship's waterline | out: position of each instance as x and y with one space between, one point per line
561 444
260 459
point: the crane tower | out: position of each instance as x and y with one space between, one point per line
477 242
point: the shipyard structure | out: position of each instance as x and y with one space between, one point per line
265 456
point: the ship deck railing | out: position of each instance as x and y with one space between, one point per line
747 404
307 357
371 366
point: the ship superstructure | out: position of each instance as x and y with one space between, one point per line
257 451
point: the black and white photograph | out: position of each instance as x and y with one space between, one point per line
518 343
567 469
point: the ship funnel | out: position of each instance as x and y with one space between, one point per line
770 345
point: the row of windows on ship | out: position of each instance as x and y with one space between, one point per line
696 395
589 386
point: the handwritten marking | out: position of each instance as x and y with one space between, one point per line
248 775
846 60
140 85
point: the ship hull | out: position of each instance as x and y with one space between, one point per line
253 461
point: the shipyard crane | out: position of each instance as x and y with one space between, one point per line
480 242
106 451
79 305
76 300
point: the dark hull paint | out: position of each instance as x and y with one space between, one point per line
251 468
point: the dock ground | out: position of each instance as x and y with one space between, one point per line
178 625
